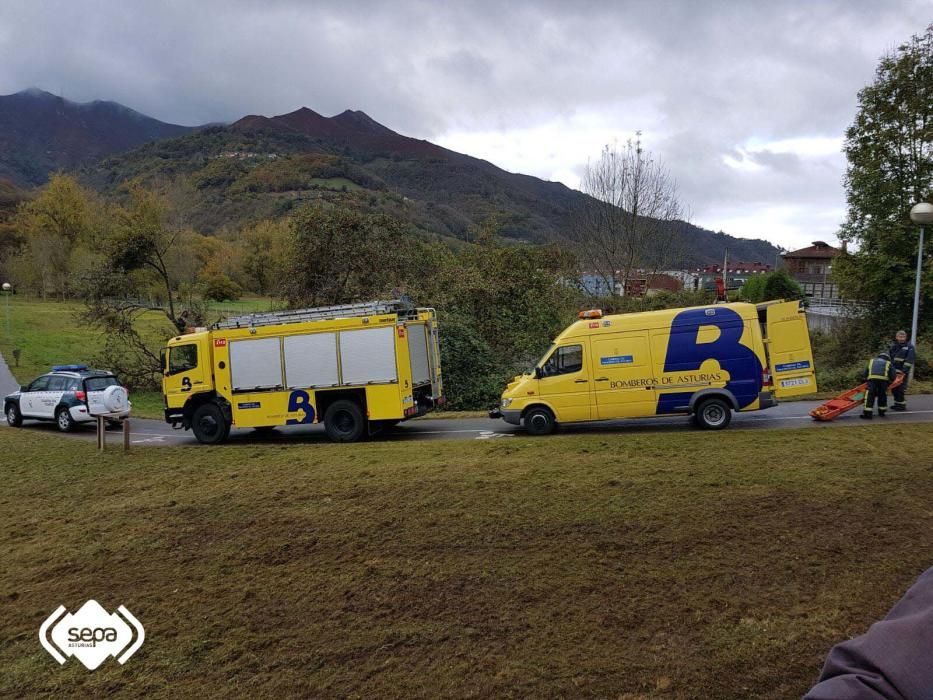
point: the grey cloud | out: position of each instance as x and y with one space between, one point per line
702 79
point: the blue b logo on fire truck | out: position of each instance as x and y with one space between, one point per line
300 400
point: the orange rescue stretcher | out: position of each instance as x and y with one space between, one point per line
848 400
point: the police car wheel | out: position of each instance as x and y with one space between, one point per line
539 421
64 421
713 414
209 425
13 417
344 422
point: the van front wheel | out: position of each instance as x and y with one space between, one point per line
539 421
713 414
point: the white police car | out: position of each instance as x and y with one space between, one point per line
68 395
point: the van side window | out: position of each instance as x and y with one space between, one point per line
565 360
182 358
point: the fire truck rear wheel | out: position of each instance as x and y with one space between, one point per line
344 421
209 425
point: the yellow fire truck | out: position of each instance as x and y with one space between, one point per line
357 368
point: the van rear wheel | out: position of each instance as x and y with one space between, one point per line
539 421
344 422
713 414
209 425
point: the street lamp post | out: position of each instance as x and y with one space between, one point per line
921 214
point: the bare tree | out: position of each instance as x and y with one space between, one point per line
631 217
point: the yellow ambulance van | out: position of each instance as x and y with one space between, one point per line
703 361
356 368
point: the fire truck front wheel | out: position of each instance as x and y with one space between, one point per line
344 421
209 425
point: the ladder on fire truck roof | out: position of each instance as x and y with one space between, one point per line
402 307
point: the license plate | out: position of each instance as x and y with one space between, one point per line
799 381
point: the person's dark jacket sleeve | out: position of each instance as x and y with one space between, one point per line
891 372
893 660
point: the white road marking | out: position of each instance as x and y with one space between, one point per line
488 434
158 439
444 432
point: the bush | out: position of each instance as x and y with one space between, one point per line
780 285
473 379
221 288
924 365
754 289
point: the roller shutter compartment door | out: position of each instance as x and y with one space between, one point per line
255 364
311 360
418 351
368 356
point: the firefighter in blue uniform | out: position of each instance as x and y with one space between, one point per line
903 355
878 374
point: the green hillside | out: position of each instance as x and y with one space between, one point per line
259 168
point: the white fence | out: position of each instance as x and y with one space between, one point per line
827 314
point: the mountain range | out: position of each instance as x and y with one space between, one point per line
262 167
41 133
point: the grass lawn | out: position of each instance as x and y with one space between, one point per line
682 565
48 333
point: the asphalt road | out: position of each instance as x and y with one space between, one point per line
786 415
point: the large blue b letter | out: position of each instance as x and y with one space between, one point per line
685 354
300 399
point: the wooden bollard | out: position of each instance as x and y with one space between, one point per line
101 431
126 434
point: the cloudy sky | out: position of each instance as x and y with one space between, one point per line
745 102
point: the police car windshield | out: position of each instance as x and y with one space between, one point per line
99 383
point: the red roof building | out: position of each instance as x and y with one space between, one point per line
814 260
812 267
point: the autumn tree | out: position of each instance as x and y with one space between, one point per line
52 224
11 240
140 246
263 254
143 240
631 217
337 256
889 148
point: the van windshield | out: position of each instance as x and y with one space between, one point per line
544 357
